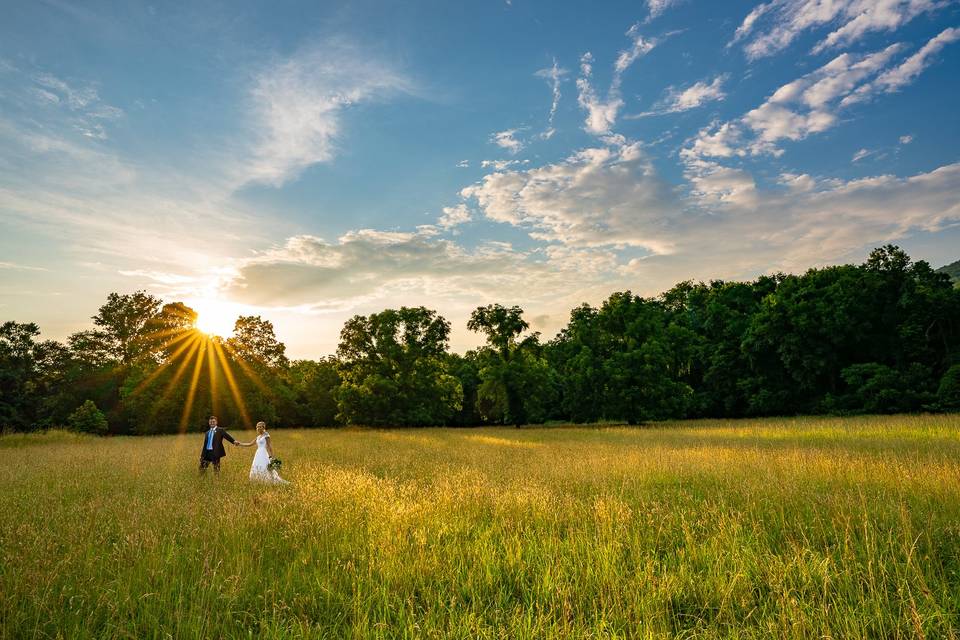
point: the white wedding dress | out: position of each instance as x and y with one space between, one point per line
260 470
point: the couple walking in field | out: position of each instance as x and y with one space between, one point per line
263 468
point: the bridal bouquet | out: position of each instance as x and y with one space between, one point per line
275 464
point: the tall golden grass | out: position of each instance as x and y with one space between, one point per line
775 528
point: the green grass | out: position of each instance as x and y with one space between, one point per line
781 528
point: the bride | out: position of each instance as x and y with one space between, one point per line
260 469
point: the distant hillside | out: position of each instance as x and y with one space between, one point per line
952 270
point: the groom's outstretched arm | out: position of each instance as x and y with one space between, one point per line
229 438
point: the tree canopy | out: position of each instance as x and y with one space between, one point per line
882 336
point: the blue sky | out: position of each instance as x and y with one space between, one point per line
310 161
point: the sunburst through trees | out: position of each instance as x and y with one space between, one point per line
177 374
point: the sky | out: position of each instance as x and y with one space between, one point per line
307 162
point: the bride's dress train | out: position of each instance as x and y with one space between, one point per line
260 470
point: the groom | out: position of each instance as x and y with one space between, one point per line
213 449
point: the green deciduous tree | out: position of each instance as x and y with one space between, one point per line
394 369
87 418
516 381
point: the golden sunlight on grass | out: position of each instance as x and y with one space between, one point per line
779 528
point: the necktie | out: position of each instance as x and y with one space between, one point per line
210 438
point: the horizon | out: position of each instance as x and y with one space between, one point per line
311 164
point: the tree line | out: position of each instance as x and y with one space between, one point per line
879 337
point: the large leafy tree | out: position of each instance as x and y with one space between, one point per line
394 369
516 382
124 324
18 374
255 341
314 384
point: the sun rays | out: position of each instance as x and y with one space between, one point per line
210 361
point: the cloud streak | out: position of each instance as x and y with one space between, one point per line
773 26
602 113
553 75
696 95
298 106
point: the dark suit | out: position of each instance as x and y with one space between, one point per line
217 451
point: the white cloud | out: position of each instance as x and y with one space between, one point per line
88 111
463 164
298 106
896 78
714 185
453 216
604 196
75 98
860 155
807 105
368 264
787 19
602 112
506 140
500 165
746 27
906 139
20 267
640 47
696 95
657 7
553 75
797 182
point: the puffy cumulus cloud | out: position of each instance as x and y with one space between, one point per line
803 222
808 105
368 270
298 104
365 264
714 185
773 26
820 222
894 79
603 196
453 216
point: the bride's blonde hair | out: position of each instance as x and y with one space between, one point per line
261 425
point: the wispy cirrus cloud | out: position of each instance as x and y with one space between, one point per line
553 75
298 105
810 104
88 112
773 26
602 113
657 7
696 95
906 72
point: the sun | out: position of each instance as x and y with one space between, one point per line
214 317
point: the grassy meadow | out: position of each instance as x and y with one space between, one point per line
775 528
